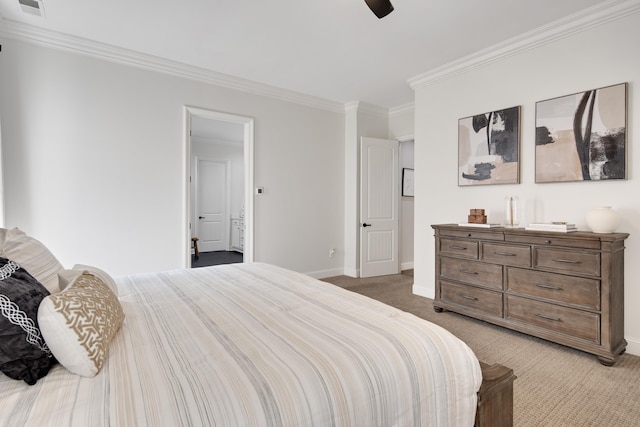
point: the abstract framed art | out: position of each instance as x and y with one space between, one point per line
582 137
488 148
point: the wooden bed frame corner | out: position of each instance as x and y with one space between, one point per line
495 397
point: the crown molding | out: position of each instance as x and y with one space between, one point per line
578 22
78 45
402 109
366 108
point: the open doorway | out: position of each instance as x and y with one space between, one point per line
386 208
219 206
406 208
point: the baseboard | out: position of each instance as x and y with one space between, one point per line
351 272
424 291
406 266
633 346
323 274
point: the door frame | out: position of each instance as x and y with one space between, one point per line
249 177
407 265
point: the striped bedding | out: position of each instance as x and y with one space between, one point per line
257 345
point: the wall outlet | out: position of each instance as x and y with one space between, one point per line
332 252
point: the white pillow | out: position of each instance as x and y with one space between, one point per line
3 236
31 255
79 323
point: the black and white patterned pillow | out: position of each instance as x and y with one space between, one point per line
24 355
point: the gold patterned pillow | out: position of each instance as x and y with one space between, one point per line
79 323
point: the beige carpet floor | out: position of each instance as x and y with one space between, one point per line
556 385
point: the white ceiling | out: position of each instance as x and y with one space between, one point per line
336 50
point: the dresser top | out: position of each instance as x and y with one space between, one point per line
588 235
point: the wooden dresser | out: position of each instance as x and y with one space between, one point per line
563 287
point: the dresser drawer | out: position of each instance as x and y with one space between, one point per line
470 233
473 272
572 322
583 262
482 300
555 239
459 248
519 256
575 291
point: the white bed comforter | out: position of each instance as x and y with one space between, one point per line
257 345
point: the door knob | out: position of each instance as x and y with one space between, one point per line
364 224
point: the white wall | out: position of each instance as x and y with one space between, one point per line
95 164
601 56
402 122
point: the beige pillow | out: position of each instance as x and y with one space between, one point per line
79 323
31 255
106 278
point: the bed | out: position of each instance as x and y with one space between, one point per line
256 345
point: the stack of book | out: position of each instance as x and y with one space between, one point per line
485 225
561 227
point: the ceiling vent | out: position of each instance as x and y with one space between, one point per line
32 7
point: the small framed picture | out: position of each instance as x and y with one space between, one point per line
407 182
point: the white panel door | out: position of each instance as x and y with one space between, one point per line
379 206
211 206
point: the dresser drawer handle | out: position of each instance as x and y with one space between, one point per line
504 253
462 270
553 288
555 319
469 297
566 261
458 247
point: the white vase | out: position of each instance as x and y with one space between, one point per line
602 219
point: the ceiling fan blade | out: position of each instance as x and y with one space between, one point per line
380 8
